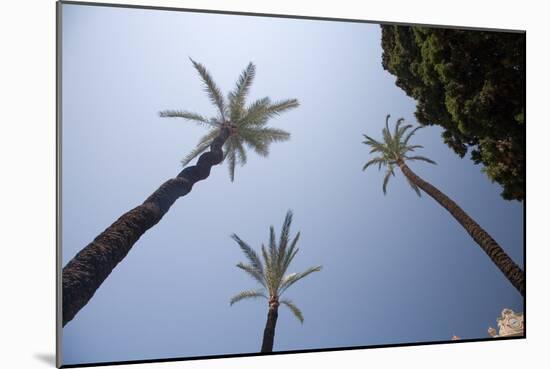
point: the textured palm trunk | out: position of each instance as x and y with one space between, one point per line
269 331
508 267
83 275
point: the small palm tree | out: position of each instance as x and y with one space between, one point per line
247 124
270 274
394 151
235 127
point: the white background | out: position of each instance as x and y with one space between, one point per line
27 207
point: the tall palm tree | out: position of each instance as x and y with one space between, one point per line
270 274
235 127
394 151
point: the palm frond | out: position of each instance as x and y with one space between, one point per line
255 142
295 277
237 97
373 161
269 272
267 259
247 295
282 106
411 133
283 238
231 163
297 312
194 117
376 146
422 158
387 137
389 173
270 135
211 88
273 254
253 272
202 145
290 253
387 122
199 149
414 187
249 252
401 132
397 124
255 113
241 152
412 147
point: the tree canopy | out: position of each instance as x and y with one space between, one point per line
271 273
393 149
247 123
472 84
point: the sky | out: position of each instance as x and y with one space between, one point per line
396 268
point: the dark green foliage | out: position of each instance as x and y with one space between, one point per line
472 84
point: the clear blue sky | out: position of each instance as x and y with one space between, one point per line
397 268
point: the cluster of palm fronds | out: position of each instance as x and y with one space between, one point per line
393 150
248 122
271 273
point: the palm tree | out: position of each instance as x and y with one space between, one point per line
270 274
235 126
394 151
246 124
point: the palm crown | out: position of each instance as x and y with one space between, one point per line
247 123
394 150
270 273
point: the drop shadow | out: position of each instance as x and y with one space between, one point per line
46 358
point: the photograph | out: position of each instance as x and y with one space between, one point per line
236 184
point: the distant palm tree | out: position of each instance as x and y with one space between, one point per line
394 151
235 126
270 274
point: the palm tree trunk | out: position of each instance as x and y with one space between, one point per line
509 268
269 331
83 275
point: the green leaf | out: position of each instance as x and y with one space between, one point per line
283 238
211 88
389 173
297 312
249 252
237 97
194 117
414 187
295 277
231 162
411 133
282 106
199 149
253 272
247 295
290 253
422 158
373 161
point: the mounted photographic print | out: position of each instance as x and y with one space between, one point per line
235 184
